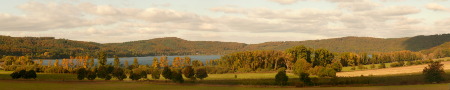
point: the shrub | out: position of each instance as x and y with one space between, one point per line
135 76
281 78
22 73
167 73
434 72
372 66
409 63
81 73
361 67
30 74
156 73
91 75
396 64
382 65
119 74
327 72
201 73
304 77
189 72
15 75
177 76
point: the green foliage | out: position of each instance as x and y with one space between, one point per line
327 72
135 76
119 73
434 72
167 73
322 57
91 75
116 61
304 77
156 74
24 74
396 64
201 73
15 75
301 66
104 72
300 52
177 76
81 73
281 78
337 66
135 62
188 72
102 58
382 65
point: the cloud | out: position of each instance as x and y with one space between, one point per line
437 7
285 2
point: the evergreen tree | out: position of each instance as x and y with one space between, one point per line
116 61
102 58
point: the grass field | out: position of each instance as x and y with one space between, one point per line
388 65
115 85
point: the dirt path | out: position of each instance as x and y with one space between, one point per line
389 71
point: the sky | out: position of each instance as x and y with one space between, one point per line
245 21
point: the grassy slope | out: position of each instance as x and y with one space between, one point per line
388 65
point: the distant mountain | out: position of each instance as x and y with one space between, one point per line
49 47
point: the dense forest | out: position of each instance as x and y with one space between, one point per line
49 47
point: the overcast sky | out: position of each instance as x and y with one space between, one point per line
246 21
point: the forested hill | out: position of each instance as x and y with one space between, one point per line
361 44
172 46
344 44
49 47
45 47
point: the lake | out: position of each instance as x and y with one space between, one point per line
146 60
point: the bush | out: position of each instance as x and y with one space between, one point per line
396 64
30 74
119 74
15 75
167 73
281 78
361 67
409 63
372 66
304 77
434 72
156 74
135 76
189 72
201 73
327 72
177 76
91 75
24 74
382 65
81 73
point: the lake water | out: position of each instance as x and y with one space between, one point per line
146 60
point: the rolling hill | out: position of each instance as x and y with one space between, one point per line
49 47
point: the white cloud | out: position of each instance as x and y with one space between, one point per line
437 7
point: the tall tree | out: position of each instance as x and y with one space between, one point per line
300 52
102 58
135 62
322 57
155 63
116 61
